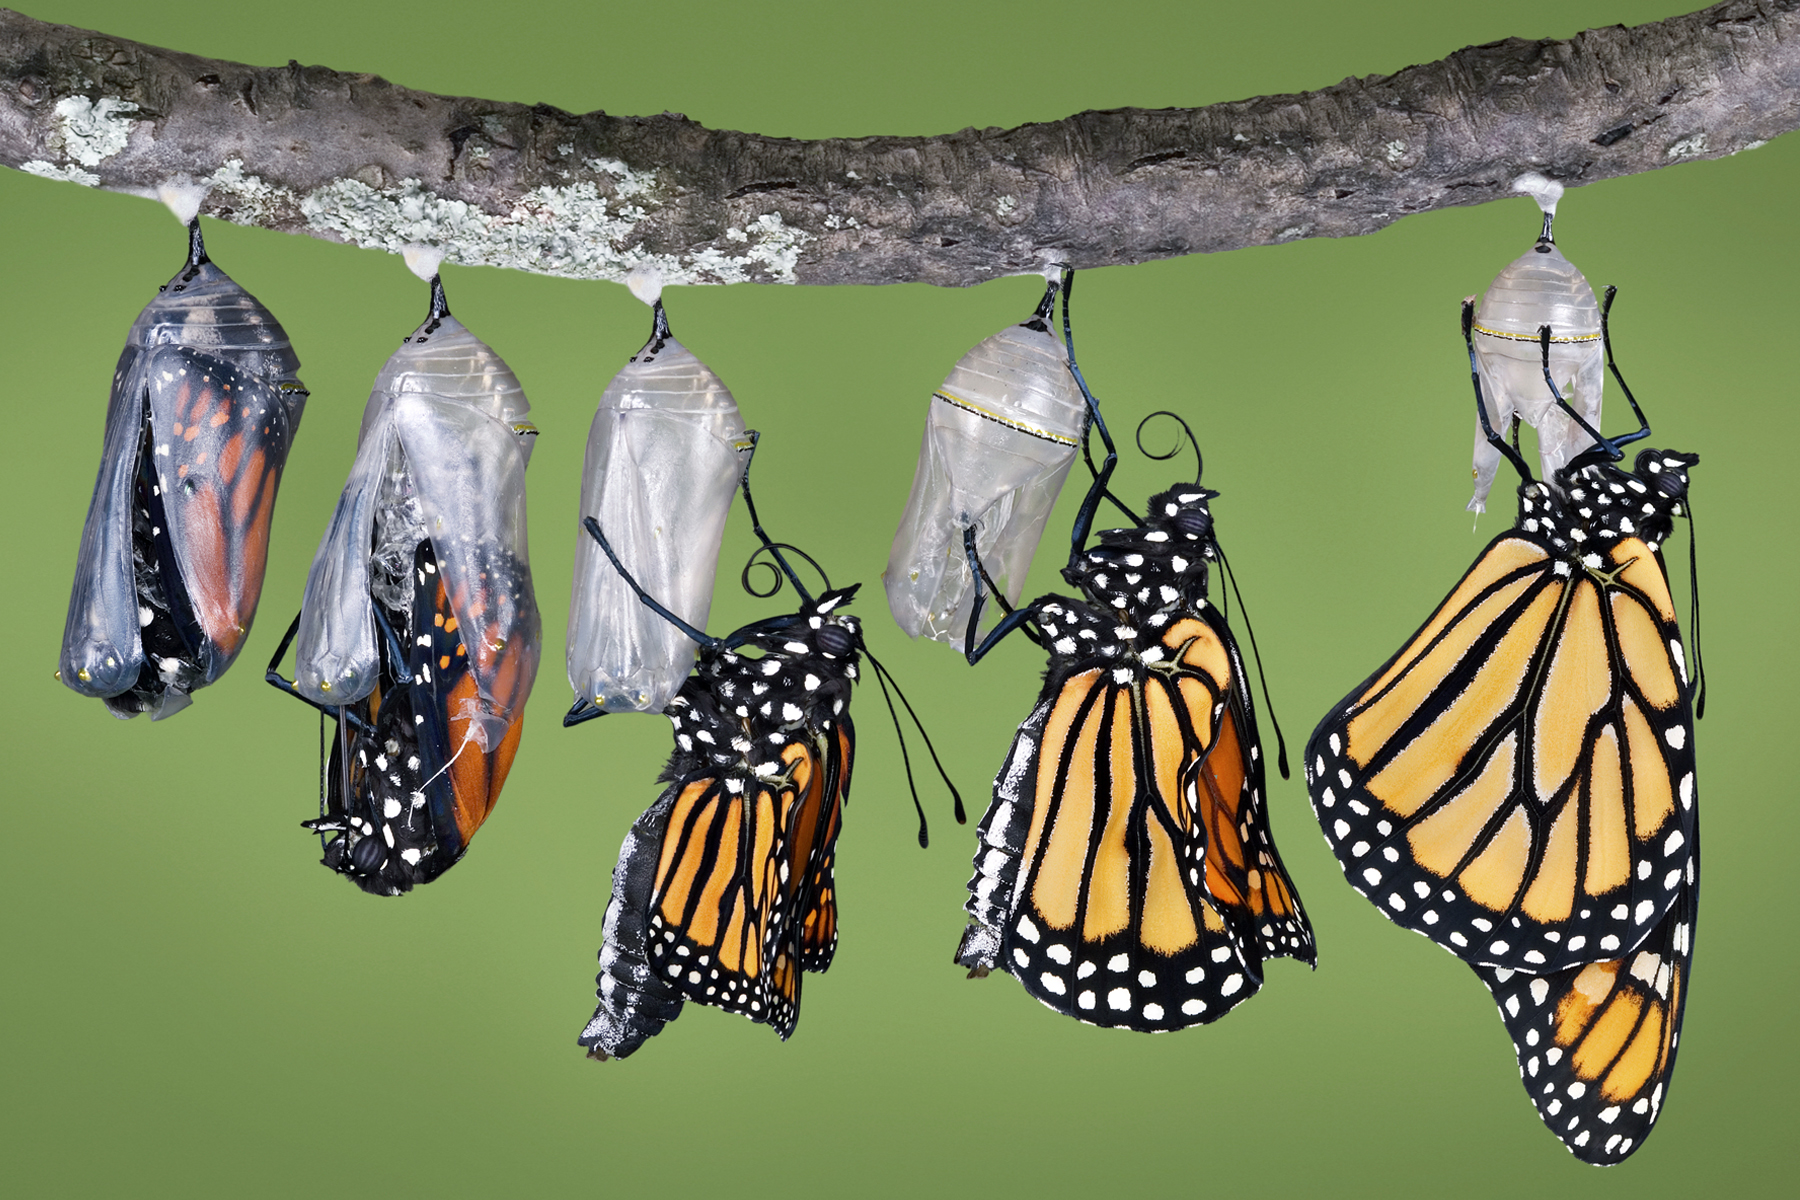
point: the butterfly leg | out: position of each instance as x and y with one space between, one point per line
1643 430
649 601
1481 409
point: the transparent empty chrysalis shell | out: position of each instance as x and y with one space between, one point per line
1540 288
442 454
1000 436
663 459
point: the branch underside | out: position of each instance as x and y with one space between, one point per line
354 158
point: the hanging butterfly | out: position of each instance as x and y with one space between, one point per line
1517 783
663 459
1127 874
205 404
724 893
418 636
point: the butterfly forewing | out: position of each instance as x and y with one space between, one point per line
1596 1043
1517 783
1091 889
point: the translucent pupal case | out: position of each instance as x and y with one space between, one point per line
204 406
1000 436
663 459
1540 288
440 460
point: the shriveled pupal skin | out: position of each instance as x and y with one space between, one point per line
204 407
663 459
419 620
1000 436
1539 288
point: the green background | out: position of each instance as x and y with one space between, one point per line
194 1007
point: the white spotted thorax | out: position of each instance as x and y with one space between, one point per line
1000 437
1539 288
442 454
663 460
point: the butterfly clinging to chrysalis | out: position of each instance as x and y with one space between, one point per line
1517 783
1126 872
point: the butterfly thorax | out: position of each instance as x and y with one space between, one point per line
1586 511
744 704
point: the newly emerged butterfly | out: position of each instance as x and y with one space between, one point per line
204 407
725 892
1000 437
663 460
1126 873
419 634
1517 783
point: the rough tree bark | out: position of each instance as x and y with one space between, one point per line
354 158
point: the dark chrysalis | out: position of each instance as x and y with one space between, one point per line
204 407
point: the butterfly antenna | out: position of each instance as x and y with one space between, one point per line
905 760
962 818
1280 742
1694 615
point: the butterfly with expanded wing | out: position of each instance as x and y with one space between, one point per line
1517 783
725 893
1127 874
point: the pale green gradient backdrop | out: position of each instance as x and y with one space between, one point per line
194 1007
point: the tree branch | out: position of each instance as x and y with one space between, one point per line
356 159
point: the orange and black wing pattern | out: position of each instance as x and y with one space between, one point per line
1517 784
813 853
724 892
1244 873
1596 1043
409 779
1092 881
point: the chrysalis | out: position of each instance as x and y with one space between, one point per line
205 403
1000 436
663 460
1541 288
419 631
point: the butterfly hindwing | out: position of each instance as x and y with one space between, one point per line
1596 1043
1244 872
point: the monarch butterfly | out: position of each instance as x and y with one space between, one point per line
1000 437
725 893
1517 783
1126 872
1540 288
204 407
662 464
418 634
